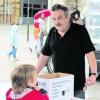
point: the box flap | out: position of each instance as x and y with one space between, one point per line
53 75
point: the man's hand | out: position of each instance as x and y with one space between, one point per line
91 80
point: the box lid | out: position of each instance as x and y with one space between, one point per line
54 75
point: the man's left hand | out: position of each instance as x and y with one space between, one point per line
91 80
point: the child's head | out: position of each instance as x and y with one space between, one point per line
22 76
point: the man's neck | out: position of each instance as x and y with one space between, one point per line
62 32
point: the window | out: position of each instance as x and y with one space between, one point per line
36 6
93 19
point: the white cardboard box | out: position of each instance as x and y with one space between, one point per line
59 86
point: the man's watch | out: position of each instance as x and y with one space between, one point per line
95 74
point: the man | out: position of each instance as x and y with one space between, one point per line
68 43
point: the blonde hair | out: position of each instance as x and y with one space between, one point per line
20 77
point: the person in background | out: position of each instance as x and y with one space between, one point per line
39 33
13 41
36 37
68 43
42 26
75 17
24 79
36 30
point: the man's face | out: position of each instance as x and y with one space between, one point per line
60 21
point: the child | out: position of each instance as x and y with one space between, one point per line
14 41
23 79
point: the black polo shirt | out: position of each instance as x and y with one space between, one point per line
68 52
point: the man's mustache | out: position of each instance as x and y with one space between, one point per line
58 24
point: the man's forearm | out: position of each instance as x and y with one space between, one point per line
92 62
42 61
91 80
